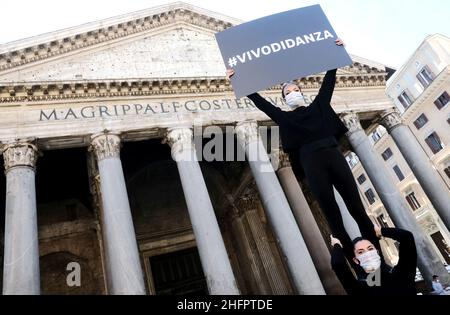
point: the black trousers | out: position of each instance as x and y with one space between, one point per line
324 169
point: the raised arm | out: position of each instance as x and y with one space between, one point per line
343 272
341 268
327 88
275 113
407 250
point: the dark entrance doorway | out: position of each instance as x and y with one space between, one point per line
178 273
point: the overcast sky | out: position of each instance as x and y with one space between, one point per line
387 31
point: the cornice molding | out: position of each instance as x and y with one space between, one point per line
48 91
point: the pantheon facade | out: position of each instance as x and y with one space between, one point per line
102 191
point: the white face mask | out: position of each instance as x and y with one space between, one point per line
295 99
369 261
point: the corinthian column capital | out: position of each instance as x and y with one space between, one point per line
351 121
20 154
390 119
106 146
180 139
247 132
282 158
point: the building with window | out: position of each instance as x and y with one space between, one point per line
420 92
412 192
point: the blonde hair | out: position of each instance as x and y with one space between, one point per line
284 86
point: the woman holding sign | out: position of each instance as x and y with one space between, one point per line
310 133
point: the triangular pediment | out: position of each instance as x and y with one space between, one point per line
168 23
180 50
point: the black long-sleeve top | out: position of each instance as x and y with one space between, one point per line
399 280
306 124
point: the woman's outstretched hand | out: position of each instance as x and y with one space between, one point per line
230 73
339 42
335 241
377 231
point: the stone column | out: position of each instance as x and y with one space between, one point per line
124 271
292 244
21 261
275 272
350 225
420 164
213 255
428 261
308 226
267 255
249 260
